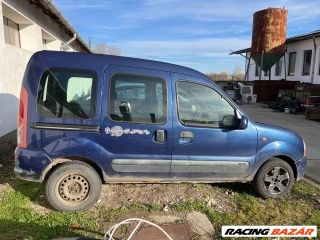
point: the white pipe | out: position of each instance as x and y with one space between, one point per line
134 230
67 43
113 229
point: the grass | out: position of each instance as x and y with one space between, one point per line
19 220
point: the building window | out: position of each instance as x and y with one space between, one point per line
292 63
278 67
11 32
44 44
307 55
257 71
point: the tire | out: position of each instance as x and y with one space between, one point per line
73 186
274 179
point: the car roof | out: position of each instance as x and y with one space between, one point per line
117 60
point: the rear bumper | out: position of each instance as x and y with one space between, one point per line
27 175
301 167
29 164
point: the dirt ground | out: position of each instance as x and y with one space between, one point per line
119 195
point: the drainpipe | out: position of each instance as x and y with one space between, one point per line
67 43
55 10
314 59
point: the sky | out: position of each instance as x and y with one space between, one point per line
198 34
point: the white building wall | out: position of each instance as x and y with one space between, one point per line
299 47
30 37
13 60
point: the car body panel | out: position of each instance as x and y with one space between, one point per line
135 153
214 152
215 155
277 141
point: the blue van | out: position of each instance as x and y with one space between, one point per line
85 119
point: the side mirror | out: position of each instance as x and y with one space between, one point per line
242 120
228 121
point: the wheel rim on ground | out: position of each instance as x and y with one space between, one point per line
276 180
73 189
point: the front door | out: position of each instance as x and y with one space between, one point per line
206 143
136 140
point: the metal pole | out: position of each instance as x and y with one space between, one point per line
261 62
269 74
247 72
285 66
314 59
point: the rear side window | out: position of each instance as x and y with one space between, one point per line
137 99
67 93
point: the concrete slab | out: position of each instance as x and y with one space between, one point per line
308 129
313 170
179 231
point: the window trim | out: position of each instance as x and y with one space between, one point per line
205 85
295 62
303 62
137 75
94 89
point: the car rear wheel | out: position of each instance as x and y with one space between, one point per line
274 179
73 186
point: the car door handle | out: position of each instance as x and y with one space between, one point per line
160 136
186 137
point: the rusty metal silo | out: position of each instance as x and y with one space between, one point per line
268 36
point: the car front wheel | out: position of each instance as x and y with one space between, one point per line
73 186
274 179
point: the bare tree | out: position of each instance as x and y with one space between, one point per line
237 73
222 76
102 48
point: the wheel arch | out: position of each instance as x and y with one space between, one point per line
285 158
59 161
291 162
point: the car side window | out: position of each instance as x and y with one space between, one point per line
137 99
199 105
67 93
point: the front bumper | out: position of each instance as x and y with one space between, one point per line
29 164
301 167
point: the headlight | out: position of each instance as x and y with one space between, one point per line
304 149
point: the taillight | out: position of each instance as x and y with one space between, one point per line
22 119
